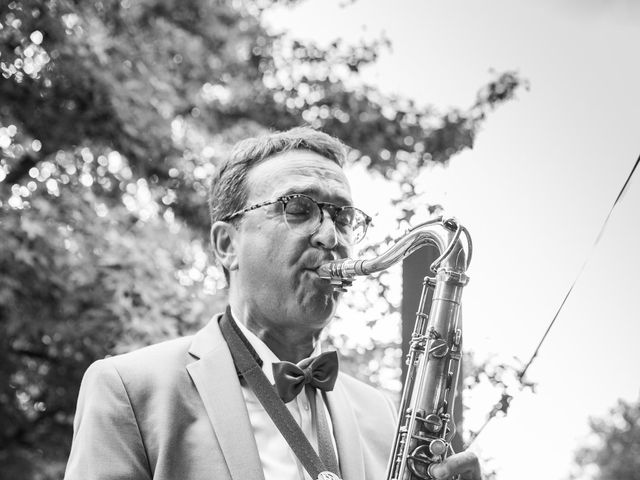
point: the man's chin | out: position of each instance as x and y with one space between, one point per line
317 296
320 303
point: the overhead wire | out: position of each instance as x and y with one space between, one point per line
593 247
503 404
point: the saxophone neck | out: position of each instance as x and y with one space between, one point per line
445 234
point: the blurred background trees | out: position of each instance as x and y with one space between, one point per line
612 450
113 115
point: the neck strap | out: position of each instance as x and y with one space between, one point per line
248 365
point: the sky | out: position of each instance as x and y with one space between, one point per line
534 193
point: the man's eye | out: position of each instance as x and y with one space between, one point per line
344 219
298 208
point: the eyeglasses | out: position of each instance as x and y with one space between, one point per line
303 216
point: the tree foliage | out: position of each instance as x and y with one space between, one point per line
612 451
77 286
113 114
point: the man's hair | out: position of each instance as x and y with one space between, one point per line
228 192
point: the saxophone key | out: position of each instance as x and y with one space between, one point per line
433 423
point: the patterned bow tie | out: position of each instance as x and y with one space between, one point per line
319 372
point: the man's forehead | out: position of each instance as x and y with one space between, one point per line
299 171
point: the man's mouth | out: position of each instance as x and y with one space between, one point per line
315 277
317 262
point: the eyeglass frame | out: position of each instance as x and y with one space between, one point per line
284 199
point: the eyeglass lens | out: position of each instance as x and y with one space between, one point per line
303 215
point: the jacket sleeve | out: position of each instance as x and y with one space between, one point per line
107 444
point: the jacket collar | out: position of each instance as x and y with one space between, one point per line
216 380
346 432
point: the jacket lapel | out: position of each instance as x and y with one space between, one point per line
217 382
347 434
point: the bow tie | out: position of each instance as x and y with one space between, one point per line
319 372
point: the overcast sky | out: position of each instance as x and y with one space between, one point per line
534 192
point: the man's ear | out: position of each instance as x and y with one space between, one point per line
223 244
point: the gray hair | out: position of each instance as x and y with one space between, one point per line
228 192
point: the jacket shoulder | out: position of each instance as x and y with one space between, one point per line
150 367
156 352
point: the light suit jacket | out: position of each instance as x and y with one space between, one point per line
175 411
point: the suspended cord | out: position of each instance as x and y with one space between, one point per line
555 317
503 404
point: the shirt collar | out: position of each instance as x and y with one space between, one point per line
266 355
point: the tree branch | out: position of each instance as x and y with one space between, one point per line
21 169
34 354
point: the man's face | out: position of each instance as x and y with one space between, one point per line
276 276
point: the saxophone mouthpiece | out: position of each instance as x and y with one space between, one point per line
326 270
337 273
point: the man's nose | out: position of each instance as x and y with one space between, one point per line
326 235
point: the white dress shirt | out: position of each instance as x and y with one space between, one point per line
278 460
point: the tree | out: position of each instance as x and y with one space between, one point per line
112 116
613 448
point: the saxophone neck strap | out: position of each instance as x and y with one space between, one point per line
249 367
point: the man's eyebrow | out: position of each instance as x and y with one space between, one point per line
311 191
316 193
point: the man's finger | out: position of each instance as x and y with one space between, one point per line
464 463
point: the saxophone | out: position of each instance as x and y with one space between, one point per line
425 420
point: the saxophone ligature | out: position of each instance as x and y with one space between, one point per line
425 416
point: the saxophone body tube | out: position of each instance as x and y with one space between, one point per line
425 420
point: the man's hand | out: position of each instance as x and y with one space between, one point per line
465 464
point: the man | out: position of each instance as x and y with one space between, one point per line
190 408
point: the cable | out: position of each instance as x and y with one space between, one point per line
555 317
503 404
